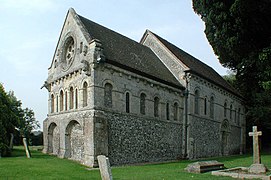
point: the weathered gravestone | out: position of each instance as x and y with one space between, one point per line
27 151
104 167
204 166
256 167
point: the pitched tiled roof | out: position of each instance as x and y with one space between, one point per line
197 67
129 54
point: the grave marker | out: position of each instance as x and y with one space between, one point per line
104 167
204 166
256 167
28 155
256 149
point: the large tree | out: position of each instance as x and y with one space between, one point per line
239 33
8 121
14 120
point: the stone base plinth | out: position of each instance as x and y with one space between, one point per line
257 169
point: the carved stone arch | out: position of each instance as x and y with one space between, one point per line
53 139
74 141
225 132
197 87
108 81
85 80
144 92
212 95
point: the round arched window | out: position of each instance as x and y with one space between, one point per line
68 53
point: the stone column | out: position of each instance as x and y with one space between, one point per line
45 136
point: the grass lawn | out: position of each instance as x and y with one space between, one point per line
42 166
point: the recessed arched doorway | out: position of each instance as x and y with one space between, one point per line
53 139
74 141
225 132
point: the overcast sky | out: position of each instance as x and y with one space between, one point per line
29 31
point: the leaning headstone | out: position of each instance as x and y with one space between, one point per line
104 167
204 166
28 155
256 167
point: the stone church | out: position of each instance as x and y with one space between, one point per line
135 102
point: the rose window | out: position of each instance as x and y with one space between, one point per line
70 52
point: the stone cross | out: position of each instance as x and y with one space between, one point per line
256 150
104 167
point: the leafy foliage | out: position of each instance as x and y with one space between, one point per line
12 119
8 121
239 32
231 79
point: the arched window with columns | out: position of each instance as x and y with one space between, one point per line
57 103
71 98
85 94
66 100
52 103
61 99
76 99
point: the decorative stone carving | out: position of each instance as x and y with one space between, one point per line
47 86
86 67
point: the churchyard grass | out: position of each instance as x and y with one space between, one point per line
43 166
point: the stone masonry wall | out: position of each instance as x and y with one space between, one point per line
206 136
133 139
